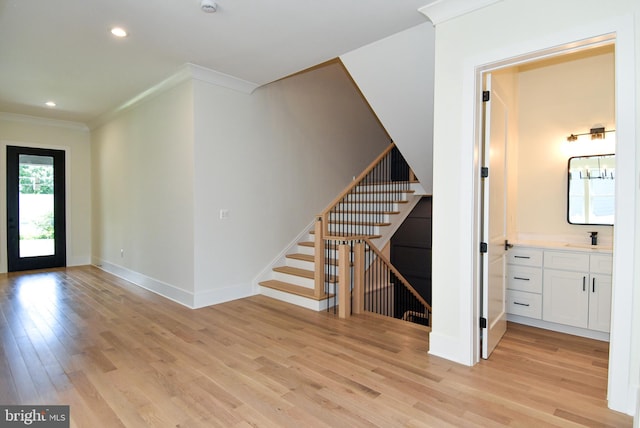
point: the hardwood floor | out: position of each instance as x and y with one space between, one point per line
122 356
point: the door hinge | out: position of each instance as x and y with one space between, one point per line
484 172
485 96
483 322
483 247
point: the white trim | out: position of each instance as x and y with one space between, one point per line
280 259
447 347
186 72
172 292
561 328
163 289
443 10
222 295
621 391
221 79
42 121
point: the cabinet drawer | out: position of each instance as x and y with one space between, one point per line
524 278
601 263
525 256
566 260
524 304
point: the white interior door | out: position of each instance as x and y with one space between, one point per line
494 218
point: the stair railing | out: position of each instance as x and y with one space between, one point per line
367 282
345 256
344 215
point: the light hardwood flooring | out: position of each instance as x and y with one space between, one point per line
122 356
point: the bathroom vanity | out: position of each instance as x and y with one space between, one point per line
560 287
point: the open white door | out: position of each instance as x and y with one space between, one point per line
494 224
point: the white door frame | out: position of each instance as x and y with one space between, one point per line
623 378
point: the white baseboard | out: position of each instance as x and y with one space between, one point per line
169 291
178 295
221 295
636 419
576 331
448 347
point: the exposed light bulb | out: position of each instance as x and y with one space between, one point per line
50 104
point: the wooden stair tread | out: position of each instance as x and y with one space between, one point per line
293 289
304 273
309 258
377 192
303 257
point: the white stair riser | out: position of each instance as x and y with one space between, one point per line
301 264
369 207
303 249
294 299
358 217
293 279
377 197
377 187
355 229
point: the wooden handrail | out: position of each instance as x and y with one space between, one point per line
325 213
397 274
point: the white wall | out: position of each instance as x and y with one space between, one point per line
557 98
509 29
164 168
395 75
274 159
142 163
74 138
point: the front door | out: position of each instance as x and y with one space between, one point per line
494 219
35 208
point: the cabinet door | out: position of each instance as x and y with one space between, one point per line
566 297
600 302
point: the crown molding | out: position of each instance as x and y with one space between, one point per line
42 121
443 10
220 79
186 72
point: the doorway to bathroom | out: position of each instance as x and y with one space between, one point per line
541 102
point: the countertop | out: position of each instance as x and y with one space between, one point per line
569 246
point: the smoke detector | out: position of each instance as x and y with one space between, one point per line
208 6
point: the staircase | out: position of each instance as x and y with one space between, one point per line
371 210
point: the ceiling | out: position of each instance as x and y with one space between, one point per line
62 50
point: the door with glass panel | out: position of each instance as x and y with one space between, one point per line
35 208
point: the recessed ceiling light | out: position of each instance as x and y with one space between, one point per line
119 32
50 104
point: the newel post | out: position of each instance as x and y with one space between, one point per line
358 278
344 281
318 274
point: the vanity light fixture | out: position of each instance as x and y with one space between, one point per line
596 134
50 104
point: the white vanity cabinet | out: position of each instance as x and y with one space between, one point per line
573 293
554 287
